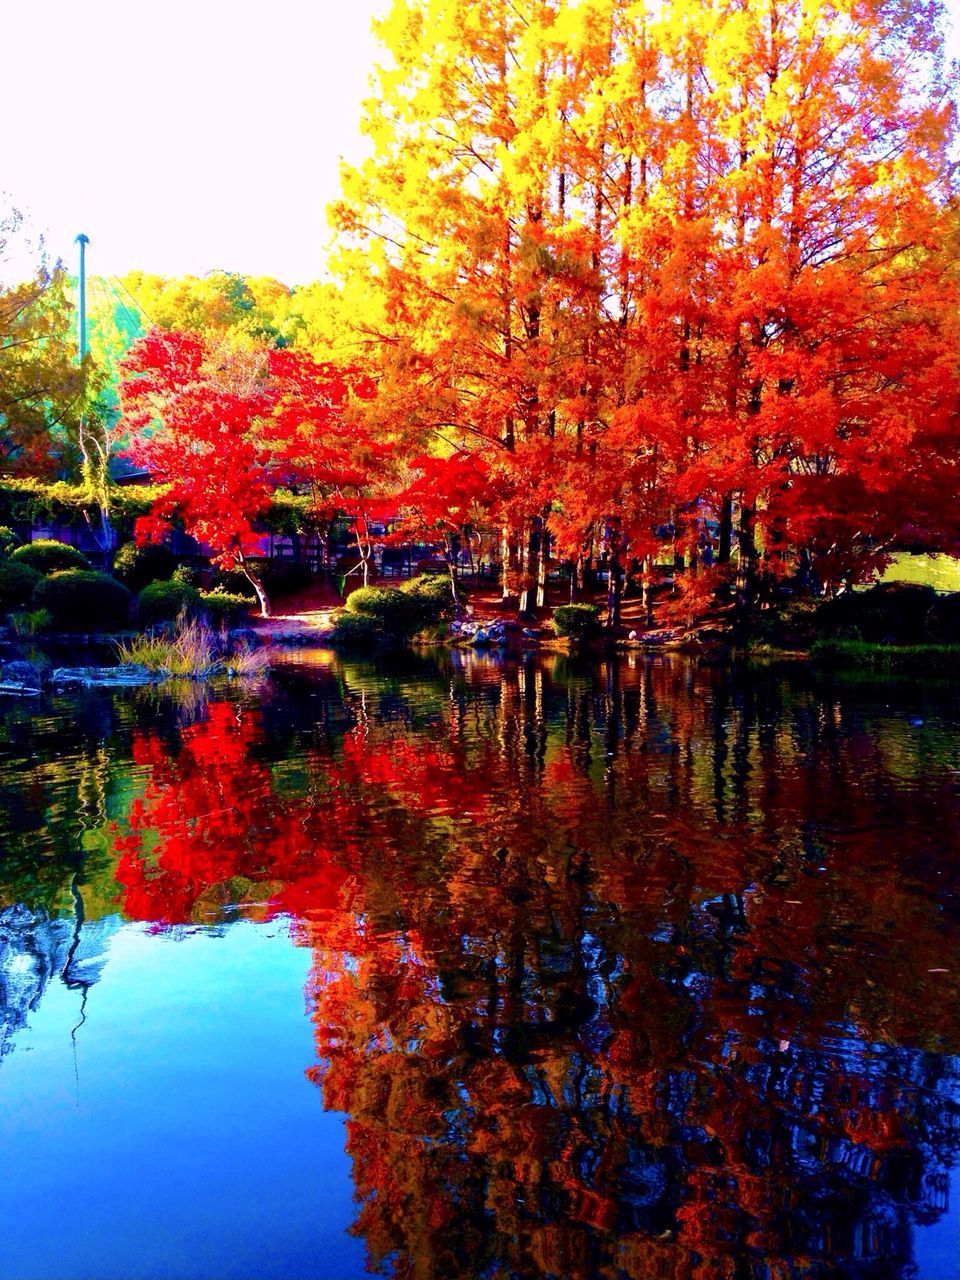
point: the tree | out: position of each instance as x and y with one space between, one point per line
41 383
224 423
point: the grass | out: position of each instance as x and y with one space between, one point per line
193 651
928 658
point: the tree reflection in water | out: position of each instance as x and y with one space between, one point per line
623 971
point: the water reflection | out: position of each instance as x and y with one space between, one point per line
632 970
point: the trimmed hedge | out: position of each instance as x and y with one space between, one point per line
890 613
433 595
355 629
395 614
165 601
223 609
137 566
46 555
17 585
83 600
576 620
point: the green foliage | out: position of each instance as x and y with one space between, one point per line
8 541
188 575
138 566
83 600
433 594
395 614
576 620
355 629
224 609
891 613
165 601
31 623
17 584
49 556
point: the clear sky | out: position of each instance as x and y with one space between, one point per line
190 134
185 135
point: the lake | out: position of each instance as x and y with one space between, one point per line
454 966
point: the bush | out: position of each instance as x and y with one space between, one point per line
17 584
576 620
164 601
433 596
188 575
393 613
355 629
223 609
8 540
137 567
890 613
47 556
943 621
83 600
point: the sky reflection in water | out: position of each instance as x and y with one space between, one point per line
620 971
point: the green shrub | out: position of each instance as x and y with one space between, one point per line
890 613
83 600
943 621
137 566
164 601
356 630
188 575
223 609
17 584
48 556
8 540
393 613
576 620
433 596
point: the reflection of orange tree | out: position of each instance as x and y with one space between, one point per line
620 1062
578 982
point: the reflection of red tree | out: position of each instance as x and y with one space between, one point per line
211 818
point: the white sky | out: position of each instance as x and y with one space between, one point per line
189 134
185 135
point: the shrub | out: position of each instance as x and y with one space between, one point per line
137 567
223 609
8 540
576 620
892 612
189 575
48 556
393 613
943 621
164 601
355 629
433 596
17 584
83 600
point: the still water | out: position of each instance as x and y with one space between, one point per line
455 967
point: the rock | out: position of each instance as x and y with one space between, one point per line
632 636
25 674
481 639
246 635
125 675
530 633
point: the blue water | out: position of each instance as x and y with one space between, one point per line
167 1129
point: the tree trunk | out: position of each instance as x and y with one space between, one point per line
646 589
258 588
725 542
746 566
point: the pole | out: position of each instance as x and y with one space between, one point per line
83 241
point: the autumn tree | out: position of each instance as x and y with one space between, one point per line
41 384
